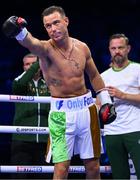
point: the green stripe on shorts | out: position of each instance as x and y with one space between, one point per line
57 126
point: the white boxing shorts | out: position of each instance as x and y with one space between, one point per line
74 128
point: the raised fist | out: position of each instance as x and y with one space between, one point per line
107 113
13 26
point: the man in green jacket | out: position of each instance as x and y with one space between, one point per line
30 149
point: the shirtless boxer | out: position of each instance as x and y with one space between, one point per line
63 61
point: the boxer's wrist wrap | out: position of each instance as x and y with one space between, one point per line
104 97
22 35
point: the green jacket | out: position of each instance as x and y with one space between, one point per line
30 114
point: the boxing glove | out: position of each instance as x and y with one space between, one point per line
15 27
107 113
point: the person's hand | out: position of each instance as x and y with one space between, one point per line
15 27
107 113
114 92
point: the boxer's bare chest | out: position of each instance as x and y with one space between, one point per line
70 61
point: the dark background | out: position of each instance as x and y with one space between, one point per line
90 21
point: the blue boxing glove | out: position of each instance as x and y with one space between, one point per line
15 27
107 113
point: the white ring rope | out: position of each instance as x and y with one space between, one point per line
24 130
28 130
47 169
24 99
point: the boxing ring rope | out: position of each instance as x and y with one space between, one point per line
47 169
34 130
24 129
24 99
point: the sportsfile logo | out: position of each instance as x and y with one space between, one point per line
77 103
29 169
